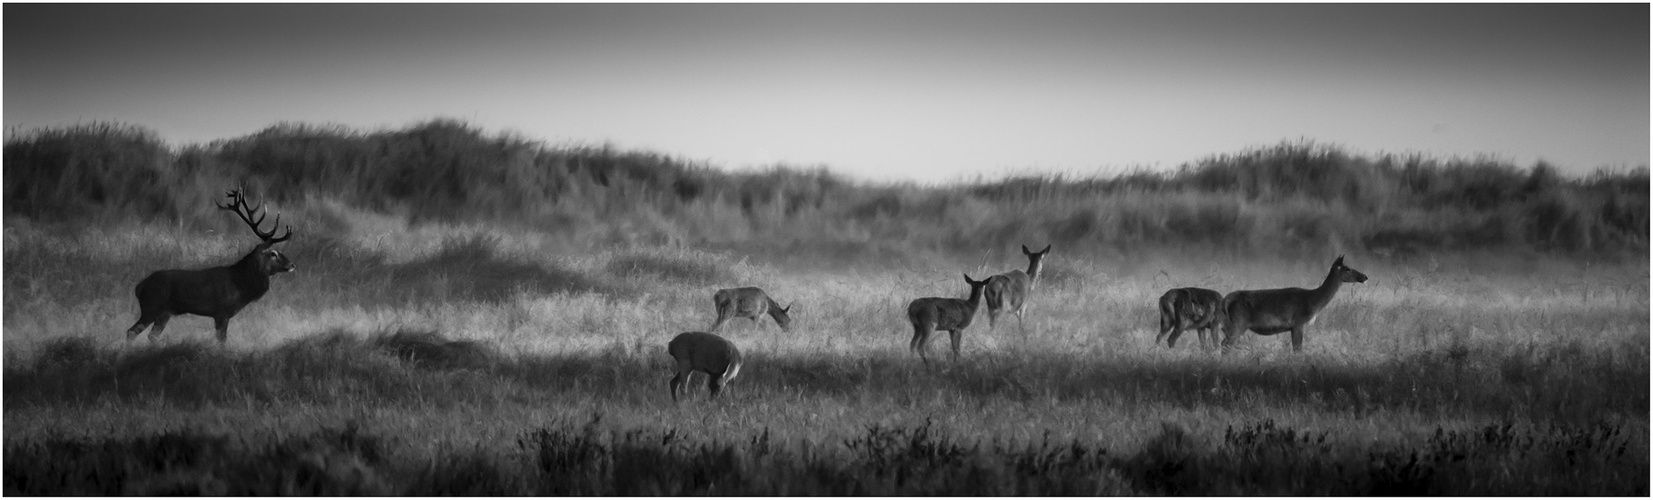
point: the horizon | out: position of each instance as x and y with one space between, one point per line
888 93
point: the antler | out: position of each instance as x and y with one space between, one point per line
238 205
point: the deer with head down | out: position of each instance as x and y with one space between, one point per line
216 292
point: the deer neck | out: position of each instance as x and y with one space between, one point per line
1327 289
974 301
774 308
1033 273
251 271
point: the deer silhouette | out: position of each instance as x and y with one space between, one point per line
931 314
706 353
748 302
1009 291
217 292
1197 309
1268 312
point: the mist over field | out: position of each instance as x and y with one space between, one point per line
487 314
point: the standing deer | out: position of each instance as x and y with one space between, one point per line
703 352
217 292
748 302
1198 309
931 314
1272 311
1009 290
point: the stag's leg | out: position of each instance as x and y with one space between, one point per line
222 325
137 328
159 326
1297 339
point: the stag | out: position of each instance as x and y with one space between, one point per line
1009 290
748 302
216 292
1197 309
931 314
706 353
1268 312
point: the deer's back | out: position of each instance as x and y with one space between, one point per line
704 351
205 292
1011 285
745 300
944 313
1271 309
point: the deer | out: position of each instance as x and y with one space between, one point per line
703 352
216 292
931 314
1268 312
748 302
1198 309
1008 291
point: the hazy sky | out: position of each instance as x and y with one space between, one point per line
926 92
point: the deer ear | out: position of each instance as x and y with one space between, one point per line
1045 251
788 308
1339 261
1026 251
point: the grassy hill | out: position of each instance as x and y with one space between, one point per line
1292 198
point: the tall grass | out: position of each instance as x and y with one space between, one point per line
1294 197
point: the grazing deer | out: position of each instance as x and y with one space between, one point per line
748 302
1197 309
1272 311
1009 290
931 314
217 292
703 352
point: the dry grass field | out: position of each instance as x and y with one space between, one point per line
469 358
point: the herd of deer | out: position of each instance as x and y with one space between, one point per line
221 292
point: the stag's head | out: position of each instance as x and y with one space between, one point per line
268 258
1347 274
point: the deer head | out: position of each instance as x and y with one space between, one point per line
269 259
1347 274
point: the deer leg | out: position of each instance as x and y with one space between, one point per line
957 335
1164 329
1297 339
684 371
921 339
714 383
222 325
159 326
1231 331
